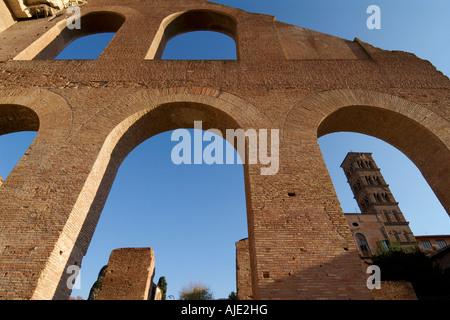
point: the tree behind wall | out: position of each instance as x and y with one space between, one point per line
196 291
162 285
427 279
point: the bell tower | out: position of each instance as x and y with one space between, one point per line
374 197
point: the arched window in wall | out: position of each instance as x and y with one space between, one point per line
406 235
378 197
18 128
386 214
362 244
377 180
397 216
200 34
51 44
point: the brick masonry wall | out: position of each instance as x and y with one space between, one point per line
129 275
243 271
394 290
93 113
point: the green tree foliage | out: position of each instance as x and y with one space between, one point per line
196 291
232 296
162 284
427 279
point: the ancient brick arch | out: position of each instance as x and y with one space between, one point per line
35 110
57 38
299 81
147 112
418 132
41 110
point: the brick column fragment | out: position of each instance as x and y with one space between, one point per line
243 271
129 274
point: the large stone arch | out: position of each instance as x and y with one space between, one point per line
128 122
25 191
418 132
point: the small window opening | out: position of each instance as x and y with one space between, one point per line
362 244
441 243
426 245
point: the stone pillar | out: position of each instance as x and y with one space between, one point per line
129 274
243 271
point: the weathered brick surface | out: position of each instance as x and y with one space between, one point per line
129 275
243 271
394 290
93 113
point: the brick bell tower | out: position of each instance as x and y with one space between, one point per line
376 203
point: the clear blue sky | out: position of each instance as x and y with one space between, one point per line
191 220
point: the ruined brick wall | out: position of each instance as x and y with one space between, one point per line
243 271
129 275
92 113
394 290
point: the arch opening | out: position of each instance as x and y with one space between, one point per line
401 196
14 118
414 140
362 244
416 200
191 215
18 129
130 134
52 43
189 21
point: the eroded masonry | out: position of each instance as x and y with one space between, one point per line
89 114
